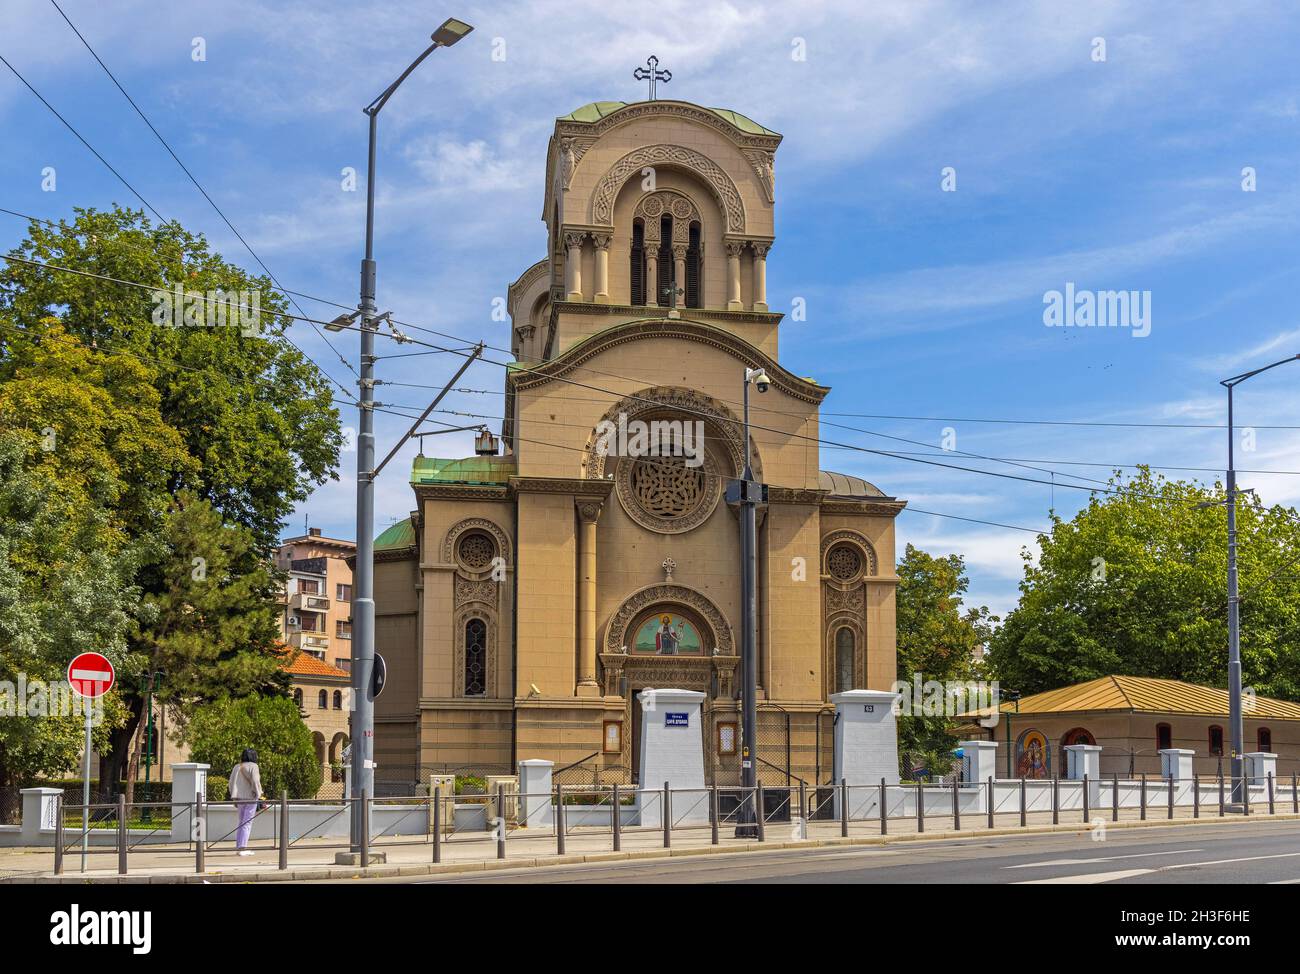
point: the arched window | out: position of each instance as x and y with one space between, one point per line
638 262
1264 739
1164 737
1216 740
664 270
322 700
843 659
297 697
338 699
475 658
694 286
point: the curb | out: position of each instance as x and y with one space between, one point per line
525 862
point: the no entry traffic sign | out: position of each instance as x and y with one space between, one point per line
91 675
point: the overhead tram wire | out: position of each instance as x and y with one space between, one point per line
388 409
621 396
71 128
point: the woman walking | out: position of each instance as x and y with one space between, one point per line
246 793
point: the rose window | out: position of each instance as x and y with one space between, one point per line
475 551
844 563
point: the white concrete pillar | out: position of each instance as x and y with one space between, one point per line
979 761
39 812
672 751
760 275
573 265
1259 765
1082 760
188 779
602 241
1176 763
535 789
734 249
866 740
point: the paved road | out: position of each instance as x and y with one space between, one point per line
1261 852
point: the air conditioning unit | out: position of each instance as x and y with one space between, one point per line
293 620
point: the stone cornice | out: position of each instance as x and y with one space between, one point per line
526 280
680 328
561 485
395 554
879 508
461 492
642 311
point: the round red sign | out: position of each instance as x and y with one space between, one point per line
91 675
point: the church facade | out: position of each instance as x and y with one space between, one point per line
534 592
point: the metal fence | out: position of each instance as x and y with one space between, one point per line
487 824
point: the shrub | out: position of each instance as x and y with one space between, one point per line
272 726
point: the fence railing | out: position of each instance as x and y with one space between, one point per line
490 824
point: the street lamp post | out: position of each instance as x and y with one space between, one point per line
749 494
1234 603
363 606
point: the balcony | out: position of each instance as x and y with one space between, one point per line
314 641
310 603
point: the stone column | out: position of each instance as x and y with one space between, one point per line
651 272
679 274
573 265
588 515
672 750
760 275
734 249
602 241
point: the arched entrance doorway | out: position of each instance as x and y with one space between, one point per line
1076 735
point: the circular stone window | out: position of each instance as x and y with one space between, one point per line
475 551
844 563
667 495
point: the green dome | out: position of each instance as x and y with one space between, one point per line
597 110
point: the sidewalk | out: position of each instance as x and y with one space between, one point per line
467 852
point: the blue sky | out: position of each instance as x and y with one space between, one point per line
1117 174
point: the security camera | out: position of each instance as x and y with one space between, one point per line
759 378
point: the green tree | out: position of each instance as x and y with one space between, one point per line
272 726
154 425
937 639
1136 584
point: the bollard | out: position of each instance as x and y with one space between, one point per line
920 808
668 816
1114 797
760 813
365 829
844 807
956 806
200 833
437 823
284 830
58 834
1245 793
1087 801
1295 795
1022 801
501 821
1173 786
559 820
713 813
1056 800
618 822
884 808
1196 796
121 835
1143 799
990 806
1220 794
1270 792
803 804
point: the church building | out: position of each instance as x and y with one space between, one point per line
533 592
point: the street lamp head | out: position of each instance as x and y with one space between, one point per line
450 32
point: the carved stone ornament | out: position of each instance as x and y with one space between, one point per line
722 186
617 635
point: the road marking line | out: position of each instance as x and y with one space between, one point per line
1084 862
1224 862
1087 878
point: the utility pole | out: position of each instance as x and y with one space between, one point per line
363 605
1235 720
749 494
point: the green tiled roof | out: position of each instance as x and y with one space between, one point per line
399 535
492 471
597 110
